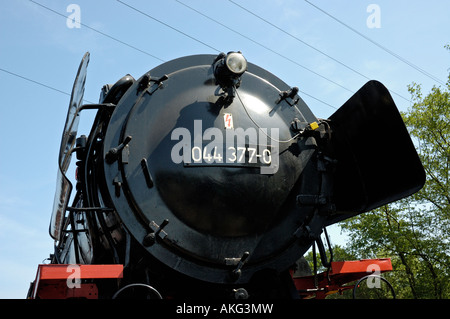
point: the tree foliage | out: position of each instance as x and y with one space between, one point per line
414 232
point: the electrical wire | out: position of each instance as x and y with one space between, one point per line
100 32
246 37
297 39
378 44
187 35
167 25
308 45
265 47
35 82
203 43
258 126
40 83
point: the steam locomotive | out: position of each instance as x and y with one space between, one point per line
210 177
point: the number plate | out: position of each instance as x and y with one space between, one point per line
225 155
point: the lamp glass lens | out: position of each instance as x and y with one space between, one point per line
236 63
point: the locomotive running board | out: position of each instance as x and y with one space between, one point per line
377 160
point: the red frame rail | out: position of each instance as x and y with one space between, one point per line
339 274
63 281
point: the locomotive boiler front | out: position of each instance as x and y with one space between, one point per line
210 167
213 171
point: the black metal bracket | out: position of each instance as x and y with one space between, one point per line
113 153
236 273
323 201
160 80
145 83
151 237
290 96
323 256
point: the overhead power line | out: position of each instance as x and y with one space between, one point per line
298 39
100 32
248 38
39 83
183 33
271 50
35 82
308 45
434 78
168 25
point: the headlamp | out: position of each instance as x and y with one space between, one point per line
236 63
228 68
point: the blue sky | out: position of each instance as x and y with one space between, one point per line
295 40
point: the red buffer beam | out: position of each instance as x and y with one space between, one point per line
63 281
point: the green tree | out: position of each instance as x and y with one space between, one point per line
414 232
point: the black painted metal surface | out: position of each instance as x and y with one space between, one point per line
224 183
